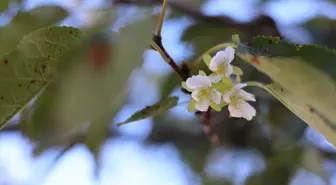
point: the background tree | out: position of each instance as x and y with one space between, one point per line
65 87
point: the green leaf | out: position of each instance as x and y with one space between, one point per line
207 59
93 80
307 72
218 107
4 4
212 75
28 69
184 85
237 71
200 72
26 22
306 113
223 86
191 106
95 138
235 39
153 110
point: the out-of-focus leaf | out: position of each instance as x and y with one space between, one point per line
204 35
215 181
307 72
104 87
153 110
63 144
290 127
28 69
279 170
323 31
191 4
186 135
196 155
92 80
96 136
312 160
4 4
93 138
25 22
99 19
169 84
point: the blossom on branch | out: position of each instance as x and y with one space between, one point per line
238 107
203 94
220 64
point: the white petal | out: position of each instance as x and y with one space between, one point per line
235 111
215 78
202 105
229 54
194 95
245 95
198 81
226 96
228 71
238 87
216 96
242 109
219 58
248 111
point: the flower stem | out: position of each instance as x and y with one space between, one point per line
161 18
210 51
260 85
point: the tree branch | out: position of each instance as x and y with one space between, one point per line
262 21
169 60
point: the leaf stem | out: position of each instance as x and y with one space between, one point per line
260 85
210 51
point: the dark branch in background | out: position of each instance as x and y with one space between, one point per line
265 24
207 128
262 21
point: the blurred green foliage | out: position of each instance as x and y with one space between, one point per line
90 87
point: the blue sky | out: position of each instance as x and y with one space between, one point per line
129 162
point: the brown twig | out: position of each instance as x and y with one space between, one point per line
170 61
207 129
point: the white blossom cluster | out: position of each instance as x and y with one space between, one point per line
217 90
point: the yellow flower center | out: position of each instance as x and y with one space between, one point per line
221 68
234 98
204 93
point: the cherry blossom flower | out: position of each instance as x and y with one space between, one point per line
238 107
203 94
220 64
